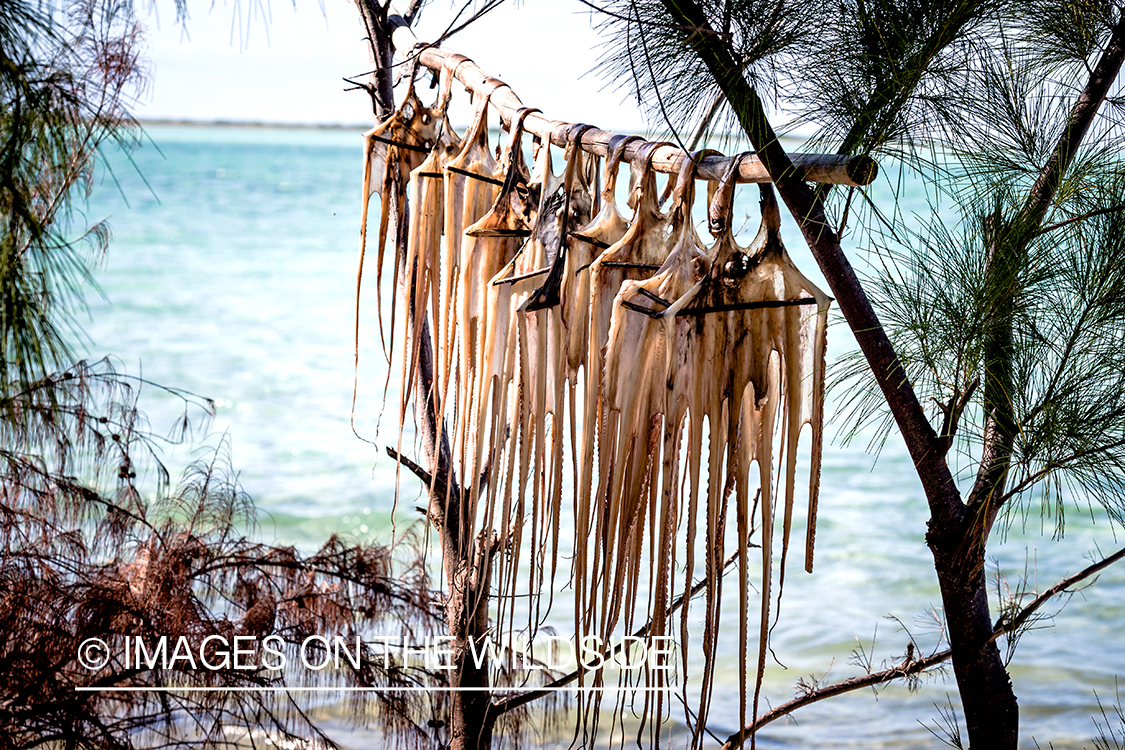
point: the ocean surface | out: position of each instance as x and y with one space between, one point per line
232 274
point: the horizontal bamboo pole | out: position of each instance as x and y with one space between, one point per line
826 168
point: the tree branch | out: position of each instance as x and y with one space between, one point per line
514 702
916 666
413 10
1008 246
906 669
827 168
1022 616
437 486
1080 217
808 210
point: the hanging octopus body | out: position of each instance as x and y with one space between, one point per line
472 182
424 241
530 336
587 243
486 361
637 254
391 151
635 392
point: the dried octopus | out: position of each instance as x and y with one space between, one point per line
526 356
391 151
426 230
734 337
539 293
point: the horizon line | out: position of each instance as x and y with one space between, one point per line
353 689
220 123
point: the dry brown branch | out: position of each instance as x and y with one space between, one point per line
1022 616
437 487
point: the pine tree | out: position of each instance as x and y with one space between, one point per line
990 339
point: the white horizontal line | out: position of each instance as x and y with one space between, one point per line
322 689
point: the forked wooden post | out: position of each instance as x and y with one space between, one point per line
824 168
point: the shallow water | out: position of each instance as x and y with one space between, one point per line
234 278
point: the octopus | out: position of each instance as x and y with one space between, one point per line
425 236
639 252
391 151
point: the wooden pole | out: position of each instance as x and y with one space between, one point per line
824 168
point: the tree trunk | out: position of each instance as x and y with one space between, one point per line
987 699
467 561
467 617
986 691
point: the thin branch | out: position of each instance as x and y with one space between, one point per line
1017 621
846 686
438 487
516 701
705 121
1081 217
1055 466
912 667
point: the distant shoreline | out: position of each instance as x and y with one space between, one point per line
793 143
253 124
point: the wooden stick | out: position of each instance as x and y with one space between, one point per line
825 168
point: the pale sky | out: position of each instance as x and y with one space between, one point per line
232 65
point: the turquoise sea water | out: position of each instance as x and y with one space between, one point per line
234 277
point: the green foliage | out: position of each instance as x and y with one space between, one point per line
1063 300
654 58
890 76
67 74
1053 291
94 540
1008 313
869 76
1066 31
